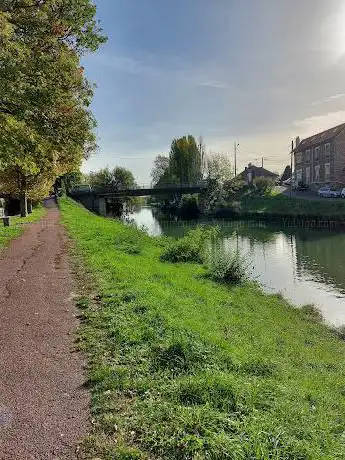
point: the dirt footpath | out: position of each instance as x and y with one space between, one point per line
43 405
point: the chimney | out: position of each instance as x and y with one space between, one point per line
297 142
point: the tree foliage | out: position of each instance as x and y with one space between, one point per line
118 177
184 164
46 127
219 167
186 160
160 170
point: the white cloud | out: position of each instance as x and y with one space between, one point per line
318 123
329 99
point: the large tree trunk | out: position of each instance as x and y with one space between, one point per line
29 206
23 204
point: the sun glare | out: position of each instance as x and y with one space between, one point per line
334 34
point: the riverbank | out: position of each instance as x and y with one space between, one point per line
279 204
181 367
16 225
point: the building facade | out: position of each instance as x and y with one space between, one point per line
320 159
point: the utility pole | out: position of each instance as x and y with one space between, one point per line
262 162
291 168
235 156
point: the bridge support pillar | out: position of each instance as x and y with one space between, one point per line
101 206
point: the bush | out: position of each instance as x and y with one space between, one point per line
190 248
226 267
189 208
263 186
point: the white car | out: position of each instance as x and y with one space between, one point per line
342 193
327 192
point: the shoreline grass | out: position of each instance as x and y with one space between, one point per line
180 367
16 227
280 204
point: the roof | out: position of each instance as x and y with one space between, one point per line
259 172
316 139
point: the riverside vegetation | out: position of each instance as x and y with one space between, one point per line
274 203
182 367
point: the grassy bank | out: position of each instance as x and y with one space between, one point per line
17 225
183 368
280 204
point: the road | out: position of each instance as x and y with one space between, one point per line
43 402
303 195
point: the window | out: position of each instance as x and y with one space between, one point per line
317 173
327 150
307 175
327 172
316 153
298 158
307 156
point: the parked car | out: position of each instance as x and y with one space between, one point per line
327 192
342 193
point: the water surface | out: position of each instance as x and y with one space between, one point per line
305 266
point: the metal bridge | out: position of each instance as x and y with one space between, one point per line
95 198
137 190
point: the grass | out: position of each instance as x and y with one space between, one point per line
180 367
16 225
281 204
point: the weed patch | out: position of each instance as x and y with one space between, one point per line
190 248
223 267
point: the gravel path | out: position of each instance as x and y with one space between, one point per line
43 404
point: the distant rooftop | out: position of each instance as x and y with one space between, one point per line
320 138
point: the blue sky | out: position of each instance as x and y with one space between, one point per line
258 71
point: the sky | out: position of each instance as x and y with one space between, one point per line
258 72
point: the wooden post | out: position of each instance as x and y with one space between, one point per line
6 221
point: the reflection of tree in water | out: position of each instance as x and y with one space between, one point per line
254 232
322 255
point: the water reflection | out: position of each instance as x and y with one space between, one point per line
306 266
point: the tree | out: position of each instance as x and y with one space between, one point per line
46 128
160 169
186 160
219 167
118 178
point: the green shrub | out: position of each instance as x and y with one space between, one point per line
263 185
190 248
189 207
340 331
226 267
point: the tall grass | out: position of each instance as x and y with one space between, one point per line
192 247
226 267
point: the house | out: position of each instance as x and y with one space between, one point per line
320 159
252 172
286 174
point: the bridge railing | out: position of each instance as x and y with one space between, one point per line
86 189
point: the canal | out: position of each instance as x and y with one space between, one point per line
305 266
